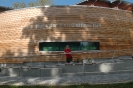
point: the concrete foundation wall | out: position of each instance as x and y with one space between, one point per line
30 72
15 71
79 69
52 72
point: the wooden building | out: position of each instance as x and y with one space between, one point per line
36 34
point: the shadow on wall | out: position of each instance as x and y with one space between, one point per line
58 15
9 53
109 34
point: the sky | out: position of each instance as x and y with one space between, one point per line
9 3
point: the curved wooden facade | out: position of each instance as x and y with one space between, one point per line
19 35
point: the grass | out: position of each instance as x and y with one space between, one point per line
119 85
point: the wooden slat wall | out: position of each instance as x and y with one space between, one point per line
115 33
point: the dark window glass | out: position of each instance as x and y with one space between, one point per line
75 46
89 45
48 46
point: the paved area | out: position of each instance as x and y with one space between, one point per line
90 79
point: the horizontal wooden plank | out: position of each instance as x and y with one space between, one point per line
115 33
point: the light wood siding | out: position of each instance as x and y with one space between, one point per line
16 40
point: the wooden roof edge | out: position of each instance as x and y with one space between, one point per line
122 1
82 1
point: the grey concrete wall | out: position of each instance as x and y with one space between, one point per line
0 71
51 72
104 67
128 62
30 72
15 71
91 67
108 67
54 71
72 68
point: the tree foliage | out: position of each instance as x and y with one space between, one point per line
44 2
15 5
22 5
32 4
18 5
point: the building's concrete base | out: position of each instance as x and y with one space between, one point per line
54 70
8 71
29 72
50 72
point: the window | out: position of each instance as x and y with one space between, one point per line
75 46
48 46
89 45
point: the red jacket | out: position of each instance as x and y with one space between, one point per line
68 52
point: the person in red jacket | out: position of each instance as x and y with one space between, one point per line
67 51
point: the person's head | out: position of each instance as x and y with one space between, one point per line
67 46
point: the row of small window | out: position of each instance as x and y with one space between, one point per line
74 46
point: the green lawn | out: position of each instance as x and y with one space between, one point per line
119 85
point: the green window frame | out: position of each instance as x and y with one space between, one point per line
74 46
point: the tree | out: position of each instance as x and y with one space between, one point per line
15 5
44 2
22 5
31 4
